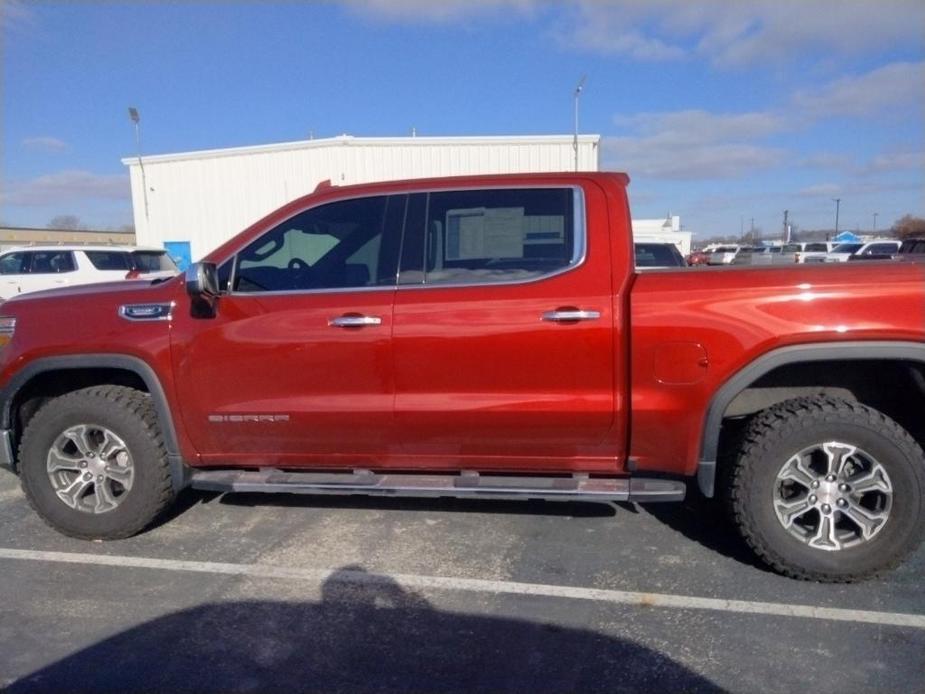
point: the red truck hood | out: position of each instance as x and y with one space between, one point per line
120 290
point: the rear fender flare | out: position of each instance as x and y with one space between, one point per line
742 379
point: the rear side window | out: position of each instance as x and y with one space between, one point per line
816 248
52 262
494 235
109 260
14 264
153 261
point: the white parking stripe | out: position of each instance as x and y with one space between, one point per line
619 597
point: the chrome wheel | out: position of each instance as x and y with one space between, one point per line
833 496
90 468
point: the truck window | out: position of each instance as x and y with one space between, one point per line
340 245
109 260
483 236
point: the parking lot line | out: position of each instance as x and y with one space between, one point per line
349 576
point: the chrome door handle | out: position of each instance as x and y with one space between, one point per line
566 315
354 321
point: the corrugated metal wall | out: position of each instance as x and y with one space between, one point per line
207 197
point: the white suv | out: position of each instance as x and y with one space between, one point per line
33 268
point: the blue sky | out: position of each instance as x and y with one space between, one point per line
721 111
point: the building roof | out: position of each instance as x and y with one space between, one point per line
347 140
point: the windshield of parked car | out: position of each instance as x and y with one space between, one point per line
816 248
658 255
847 248
153 261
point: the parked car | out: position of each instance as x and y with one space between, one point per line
658 255
814 251
33 268
486 337
861 251
911 249
698 258
723 255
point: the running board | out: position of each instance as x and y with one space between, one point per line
465 485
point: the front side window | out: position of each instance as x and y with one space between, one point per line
14 264
52 262
153 261
341 245
483 236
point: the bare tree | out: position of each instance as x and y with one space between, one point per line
64 221
908 226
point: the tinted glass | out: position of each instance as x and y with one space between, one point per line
816 248
14 264
52 262
847 248
880 248
109 260
340 245
657 255
478 236
153 261
792 248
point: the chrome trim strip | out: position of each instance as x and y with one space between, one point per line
579 252
161 306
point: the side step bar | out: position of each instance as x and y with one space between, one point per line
465 485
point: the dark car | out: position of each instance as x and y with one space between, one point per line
654 255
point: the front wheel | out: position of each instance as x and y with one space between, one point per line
826 489
93 463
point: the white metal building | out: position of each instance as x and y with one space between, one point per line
667 230
193 201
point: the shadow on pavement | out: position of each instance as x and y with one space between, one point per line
367 634
705 522
577 509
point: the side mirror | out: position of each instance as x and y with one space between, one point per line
202 281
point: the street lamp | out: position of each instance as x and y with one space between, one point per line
837 202
136 119
875 221
578 88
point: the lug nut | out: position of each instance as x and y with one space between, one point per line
826 508
815 484
88 476
830 478
812 498
90 455
844 487
83 464
841 503
99 478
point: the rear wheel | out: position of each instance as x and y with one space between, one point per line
829 490
93 463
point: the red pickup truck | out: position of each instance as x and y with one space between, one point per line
481 337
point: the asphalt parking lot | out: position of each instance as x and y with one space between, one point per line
254 593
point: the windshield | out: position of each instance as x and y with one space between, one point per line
153 261
847 248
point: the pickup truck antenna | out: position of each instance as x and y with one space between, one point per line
578 88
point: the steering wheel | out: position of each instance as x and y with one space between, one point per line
297 264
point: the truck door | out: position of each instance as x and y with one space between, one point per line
504 332
295 368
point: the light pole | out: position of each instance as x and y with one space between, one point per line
875 221
136 119
837 202
578 88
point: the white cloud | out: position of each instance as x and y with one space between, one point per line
897 161
65 186
735 34
896 87
670 158
44 143
437 11
820 190
705 126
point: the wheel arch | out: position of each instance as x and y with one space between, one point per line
135 371
749 375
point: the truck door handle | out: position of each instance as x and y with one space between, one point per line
354 321
568 315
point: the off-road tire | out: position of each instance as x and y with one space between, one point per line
778 433
130 414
